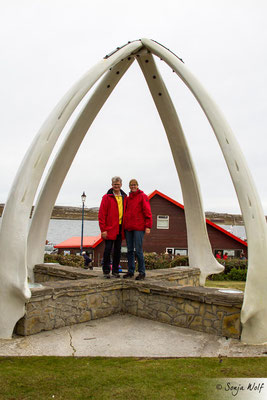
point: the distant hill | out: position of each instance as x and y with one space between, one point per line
65 212
224 218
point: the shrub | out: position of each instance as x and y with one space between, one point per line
235 270
50 258
156 261
179 261
237 274
71 260
218 277
160 261
233 263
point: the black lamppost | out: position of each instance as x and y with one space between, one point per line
83 196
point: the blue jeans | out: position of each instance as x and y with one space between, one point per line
134 240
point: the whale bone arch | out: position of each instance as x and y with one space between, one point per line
198 242
253 311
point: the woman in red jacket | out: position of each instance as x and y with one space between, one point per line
137 223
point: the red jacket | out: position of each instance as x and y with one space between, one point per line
138 215
108 216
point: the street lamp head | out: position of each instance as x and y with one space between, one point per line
83 196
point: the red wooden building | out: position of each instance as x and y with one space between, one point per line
169 230
167 234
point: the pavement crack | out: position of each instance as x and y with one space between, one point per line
71 344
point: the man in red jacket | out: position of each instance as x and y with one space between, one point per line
110 217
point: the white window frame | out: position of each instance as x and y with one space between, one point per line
170 248
231 253
182 252
161 218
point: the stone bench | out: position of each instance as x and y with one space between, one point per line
171 296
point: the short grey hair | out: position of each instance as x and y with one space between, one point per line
116 179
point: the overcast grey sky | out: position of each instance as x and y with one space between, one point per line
47 45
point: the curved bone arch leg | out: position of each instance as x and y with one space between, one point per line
199 248
63 160
254 311
13 253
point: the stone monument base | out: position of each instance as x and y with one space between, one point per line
73 295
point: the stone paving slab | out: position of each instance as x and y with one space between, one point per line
123 335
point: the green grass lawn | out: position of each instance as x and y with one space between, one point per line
58 378
226 284
38 378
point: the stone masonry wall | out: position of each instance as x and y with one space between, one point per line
205 311
63 304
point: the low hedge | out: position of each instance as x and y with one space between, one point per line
235 269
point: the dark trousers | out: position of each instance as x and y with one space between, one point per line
116 256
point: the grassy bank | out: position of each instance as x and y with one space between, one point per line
226 284
118 378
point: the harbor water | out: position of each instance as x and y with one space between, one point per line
63 229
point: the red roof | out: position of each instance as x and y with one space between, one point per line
75 242
156 192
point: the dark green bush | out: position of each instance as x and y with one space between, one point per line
233 263
218 277
179 261
235 270
71 260
237 274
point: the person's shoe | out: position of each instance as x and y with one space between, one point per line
140 277
91 268
106 276
115 274
128 275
